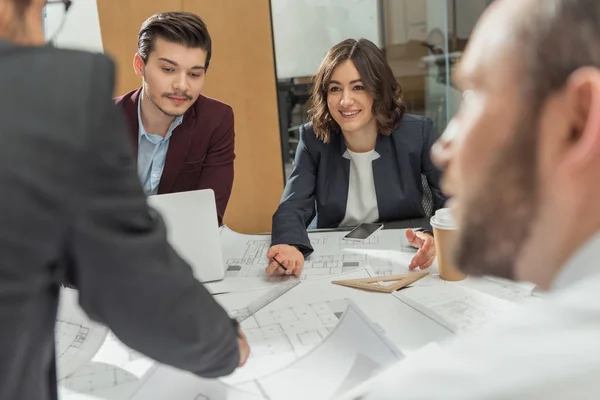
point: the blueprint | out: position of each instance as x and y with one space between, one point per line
77 337
305 316
457 307
468 304
281 335
91 361
516 292
353 352
386 253
170 383
115 372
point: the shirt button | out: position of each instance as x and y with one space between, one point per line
155 175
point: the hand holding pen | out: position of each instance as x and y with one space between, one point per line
284 260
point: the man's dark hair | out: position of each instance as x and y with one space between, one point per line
558 38
182 28
377 77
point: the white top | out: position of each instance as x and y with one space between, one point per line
547 350
362 200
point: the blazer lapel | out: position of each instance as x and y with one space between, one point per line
131 112
382 171
179 145
338 180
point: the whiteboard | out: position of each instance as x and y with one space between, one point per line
81 29
304 30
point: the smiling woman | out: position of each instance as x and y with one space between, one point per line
359 160
365 73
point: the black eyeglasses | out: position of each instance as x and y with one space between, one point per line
67 3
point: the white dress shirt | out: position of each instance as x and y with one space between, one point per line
362 199
550 350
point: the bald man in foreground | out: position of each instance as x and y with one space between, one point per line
522 165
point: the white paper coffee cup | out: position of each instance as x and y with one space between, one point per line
443 219
445 234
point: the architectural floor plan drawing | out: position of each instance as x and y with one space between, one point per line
468 304
245 255
457 307
354 352
296 322
114 372
516 292
282 335
77 337
95 378
169 383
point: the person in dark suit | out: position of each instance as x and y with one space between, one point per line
74 213
183 140
360 159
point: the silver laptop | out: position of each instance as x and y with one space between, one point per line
193 230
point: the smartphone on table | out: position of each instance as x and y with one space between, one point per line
363 232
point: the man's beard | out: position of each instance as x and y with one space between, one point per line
168 114
500 215
162 110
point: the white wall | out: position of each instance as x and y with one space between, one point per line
304 30
81 28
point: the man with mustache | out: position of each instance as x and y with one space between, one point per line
522 163
184 140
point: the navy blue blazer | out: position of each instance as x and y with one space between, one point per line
318 184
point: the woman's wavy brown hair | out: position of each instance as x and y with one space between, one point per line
378 79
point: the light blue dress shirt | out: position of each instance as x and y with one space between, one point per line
152 152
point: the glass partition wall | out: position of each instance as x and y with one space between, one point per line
421 39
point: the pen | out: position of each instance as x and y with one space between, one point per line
280 264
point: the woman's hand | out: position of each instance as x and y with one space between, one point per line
289 256
426 245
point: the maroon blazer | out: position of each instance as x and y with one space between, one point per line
201 149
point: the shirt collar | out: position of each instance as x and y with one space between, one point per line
583 264
374 154
383 145
142 130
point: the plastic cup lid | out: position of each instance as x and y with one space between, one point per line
443 219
